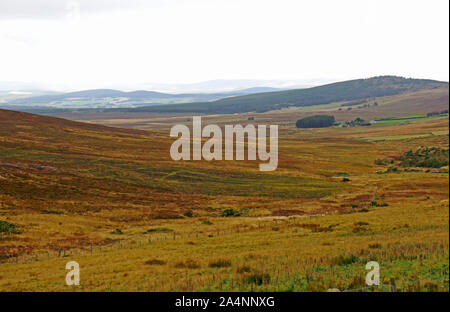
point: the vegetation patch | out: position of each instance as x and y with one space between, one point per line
244 269
427 157
188 264
230 213
377 204
9 228
155 262
159 230
317 121
55 212
220 263
315 228
256 278
345 260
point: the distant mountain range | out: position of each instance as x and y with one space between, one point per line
326 94
224 85
210 86
107 98
255 99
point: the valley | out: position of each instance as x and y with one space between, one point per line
101 188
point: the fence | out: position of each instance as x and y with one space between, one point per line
168 237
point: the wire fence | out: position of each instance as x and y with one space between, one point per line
149 239
393 286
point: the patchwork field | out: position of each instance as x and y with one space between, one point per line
113 200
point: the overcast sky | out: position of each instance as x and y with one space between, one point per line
97 43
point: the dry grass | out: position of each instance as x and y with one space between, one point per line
67 185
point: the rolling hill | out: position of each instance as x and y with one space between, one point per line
335 92
90 192
97 98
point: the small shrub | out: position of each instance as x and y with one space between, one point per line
55 212
188 264
117 231
230 213
256 278
155 262
345 180
188 214
6 227
376 204
244 269
221 263
160 230
375 246
360 223
430 287
358 229
345 260
392 169
207 222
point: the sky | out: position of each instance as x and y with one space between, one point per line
100 43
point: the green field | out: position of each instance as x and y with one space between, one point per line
405 136
403 120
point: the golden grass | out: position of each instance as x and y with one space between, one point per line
70 186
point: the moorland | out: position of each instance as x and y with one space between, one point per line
100 188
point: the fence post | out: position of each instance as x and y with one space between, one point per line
393 287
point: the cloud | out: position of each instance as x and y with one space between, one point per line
59 9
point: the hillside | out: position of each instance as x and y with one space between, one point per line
335 92
71 190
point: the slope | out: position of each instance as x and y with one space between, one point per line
335 92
